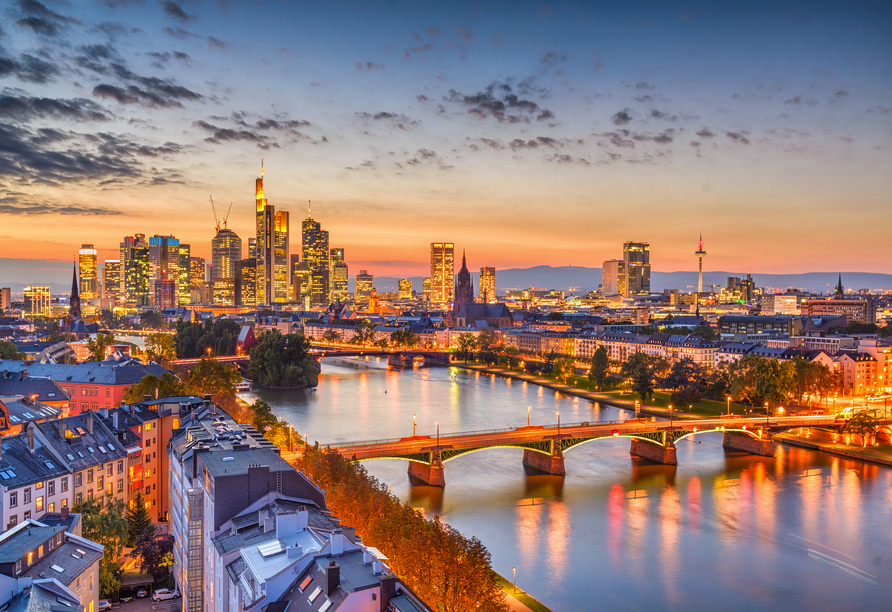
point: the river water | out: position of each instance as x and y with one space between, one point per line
723 530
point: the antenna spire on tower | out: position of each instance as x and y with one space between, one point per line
261 167
309 209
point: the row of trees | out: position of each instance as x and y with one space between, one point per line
448 571
195 340
363 334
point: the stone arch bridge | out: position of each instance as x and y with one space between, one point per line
544 446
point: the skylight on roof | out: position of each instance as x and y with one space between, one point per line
83 552
49 464
28 415
91 449
271 549
325 605
64 602
314 594
80 430
102 450
56 568
110 446
80 454
14 418
305 583
70 457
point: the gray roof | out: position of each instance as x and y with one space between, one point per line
24 467
44 388
87 448
69 558
28 538
218 463
21 411
44 596
91 372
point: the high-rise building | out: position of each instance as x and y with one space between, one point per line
223 292
636 260
196 272
365 284
613 277
271 249
405 289
226 249
488 285
252 248
300 281
442 272
111 280
5 298
246 282
165 294
164 258
127 246
184 275
338 274
426 289
464 288
136 276
37 301
89 280
317 256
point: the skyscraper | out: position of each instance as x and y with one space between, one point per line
184 275
488 285
613 277
246 282
164 258
300 280
252 248
339 275
37 300
405 289
111 280
442 272
636 261
426 289
89 281
136 276
5 298
271 249
127 246
365 284
196 272
317 256
226 249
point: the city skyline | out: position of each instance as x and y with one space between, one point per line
625 122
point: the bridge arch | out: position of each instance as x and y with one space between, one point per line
748 432
580 442
464 452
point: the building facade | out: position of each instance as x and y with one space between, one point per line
442 272
636 264
88 272
488 285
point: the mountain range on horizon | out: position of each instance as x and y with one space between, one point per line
571 279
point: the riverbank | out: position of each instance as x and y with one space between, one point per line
518 599
874 454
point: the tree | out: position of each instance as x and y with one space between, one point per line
717 384
155 555
707 332
109 583
194 339
161 348
262 416
364 333
864 424
152 320
466 344
283 361
643 381
686 396
555 316
331 335
213 377
563 368
683 373
105 524
166 386
98 346
138 521
600 367
404 337
383 343
8 350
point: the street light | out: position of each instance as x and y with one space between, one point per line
729 404
766 414
413 425
514 570
670 415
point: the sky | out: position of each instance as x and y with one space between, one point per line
525 133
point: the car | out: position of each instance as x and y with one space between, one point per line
125 595
104 605
162 594
142 592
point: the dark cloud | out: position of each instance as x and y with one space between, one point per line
216 43
616 139
464 35
840 95
644 99
180 33
540 141
163 58
37 17
705 133
737 137
695 143
16 205
175 10
500 102
26 108
552 57
658 114
419 50
369 66
146 91
220 135
560 158
643 85
289 124
28 68
794 100
113 30
397 120
427 156
432 31
422 98
111 144
621 118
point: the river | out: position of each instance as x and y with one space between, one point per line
723 530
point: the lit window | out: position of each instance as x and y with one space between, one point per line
310 599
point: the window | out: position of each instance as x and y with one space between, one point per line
51 487
78 498
27 514
78 479
99 482
26 497
64 481
89 475
51 507
109 488
120 466
111 469
38 503
30 557
305 583
148 441
13 520
120 484
64 502
13 499
38 485
148 490
314 594
90 493
40 551
148 427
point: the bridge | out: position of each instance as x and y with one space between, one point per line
404 358
544 445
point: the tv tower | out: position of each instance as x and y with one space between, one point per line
700 253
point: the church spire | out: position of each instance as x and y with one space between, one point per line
840 293
74 302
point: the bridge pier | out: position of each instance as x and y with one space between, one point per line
658 453
429 473
398 360
550 464
748 444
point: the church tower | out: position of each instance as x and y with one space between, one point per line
464 289
840 293
74 308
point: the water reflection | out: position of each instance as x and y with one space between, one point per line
800 530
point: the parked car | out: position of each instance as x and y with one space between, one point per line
142 592
162 594
126 595
104 605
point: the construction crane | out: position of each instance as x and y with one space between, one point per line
216 220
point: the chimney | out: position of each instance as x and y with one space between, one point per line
132 410
294 552
147 398
303 518
337 542
1 449
30 430
104 412
115 419
61 424
64 514
388 590
332 577
89 422
377 568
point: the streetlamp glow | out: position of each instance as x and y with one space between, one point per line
514 571
528 415
414 424
729 404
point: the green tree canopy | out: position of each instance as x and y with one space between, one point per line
213 377
194 339
152 320
161 348
283 361
600 367
104 523
8 350
404 337
139 522
166 386
466 344
98 346
683 373
563 368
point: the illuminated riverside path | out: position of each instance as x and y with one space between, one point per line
723 529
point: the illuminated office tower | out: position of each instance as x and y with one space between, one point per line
426 289
130 242
196 272
37 301
136 276
405 289
5 298
317 255
271 250
488 285
89 280
246 282
252 248
338 275
636 260
365 285
226 249
442 272
613 277
300 284
111 280
164 257
184 275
